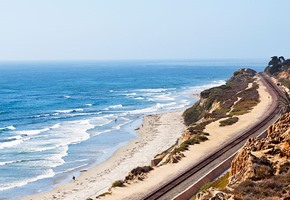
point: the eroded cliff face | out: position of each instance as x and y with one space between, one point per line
262 158
261 169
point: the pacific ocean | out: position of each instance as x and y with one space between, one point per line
58 118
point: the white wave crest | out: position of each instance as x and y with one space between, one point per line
11 142
69 111
55 126
116 106
11 128
156 90
6 163
131 94
32 132
139 98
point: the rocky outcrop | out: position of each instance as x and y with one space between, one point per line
262 166
262 158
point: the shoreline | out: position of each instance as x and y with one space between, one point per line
217 137
149 140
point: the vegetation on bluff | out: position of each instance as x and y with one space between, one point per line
238 96
229 121
280 69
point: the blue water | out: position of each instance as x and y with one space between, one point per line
57 118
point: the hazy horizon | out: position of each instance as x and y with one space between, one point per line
66 30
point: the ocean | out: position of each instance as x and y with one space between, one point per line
58 118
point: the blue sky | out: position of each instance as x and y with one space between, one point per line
148 29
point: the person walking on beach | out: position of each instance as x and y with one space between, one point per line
74 178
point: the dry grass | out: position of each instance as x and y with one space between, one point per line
276 186
243 106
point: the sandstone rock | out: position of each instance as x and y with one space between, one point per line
261 158
260 161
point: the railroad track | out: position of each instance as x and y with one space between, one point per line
275 109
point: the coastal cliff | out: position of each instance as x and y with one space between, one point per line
226 100
261 169
224 103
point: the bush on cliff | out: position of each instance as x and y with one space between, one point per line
118 183
229 121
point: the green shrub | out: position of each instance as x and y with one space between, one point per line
201 138
229 121
195 140
118 183
220 183
192 114
140 170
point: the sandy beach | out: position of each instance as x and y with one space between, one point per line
157 133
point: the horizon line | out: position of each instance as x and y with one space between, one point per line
128 60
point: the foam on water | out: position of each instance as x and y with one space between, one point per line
11 127
54 140
118 126
152 90
55 126
6 163
11 142
69 111
116 106
139 98
6 186
32 132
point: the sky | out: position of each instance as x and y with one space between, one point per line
143 29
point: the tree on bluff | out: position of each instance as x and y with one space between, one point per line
274 65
